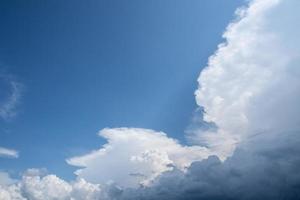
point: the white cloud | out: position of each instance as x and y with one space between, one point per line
85 190
135 156
9 189
10 153
34 186
239 91
47 188
11 193
251 84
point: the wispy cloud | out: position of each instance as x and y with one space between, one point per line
8 106
10 153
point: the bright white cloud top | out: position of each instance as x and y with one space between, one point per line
250 89
135 156
251 84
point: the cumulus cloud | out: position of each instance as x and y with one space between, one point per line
11 193
50 187
251 84
135 156
264 168
9 153
250 96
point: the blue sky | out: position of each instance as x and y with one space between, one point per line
88 65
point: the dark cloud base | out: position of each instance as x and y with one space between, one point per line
266 168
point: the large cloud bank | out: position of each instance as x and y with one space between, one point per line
257 170
251 84
250 95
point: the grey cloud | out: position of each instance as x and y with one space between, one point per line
266 167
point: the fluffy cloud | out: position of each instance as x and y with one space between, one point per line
249 92
10 153
11 193
251 84
264 168
131 157
135 156
50 187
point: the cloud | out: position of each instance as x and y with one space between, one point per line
250 93
251 84
36 185
10 153
250 96
8 106
5 179
135 156
257 170
49 187
11 193
264 168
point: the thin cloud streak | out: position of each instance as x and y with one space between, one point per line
8 107
9 153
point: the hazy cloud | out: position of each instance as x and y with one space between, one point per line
10 153
9 103
5 179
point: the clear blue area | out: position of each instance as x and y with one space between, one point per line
87 65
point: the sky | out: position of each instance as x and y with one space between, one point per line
178 100
85 66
